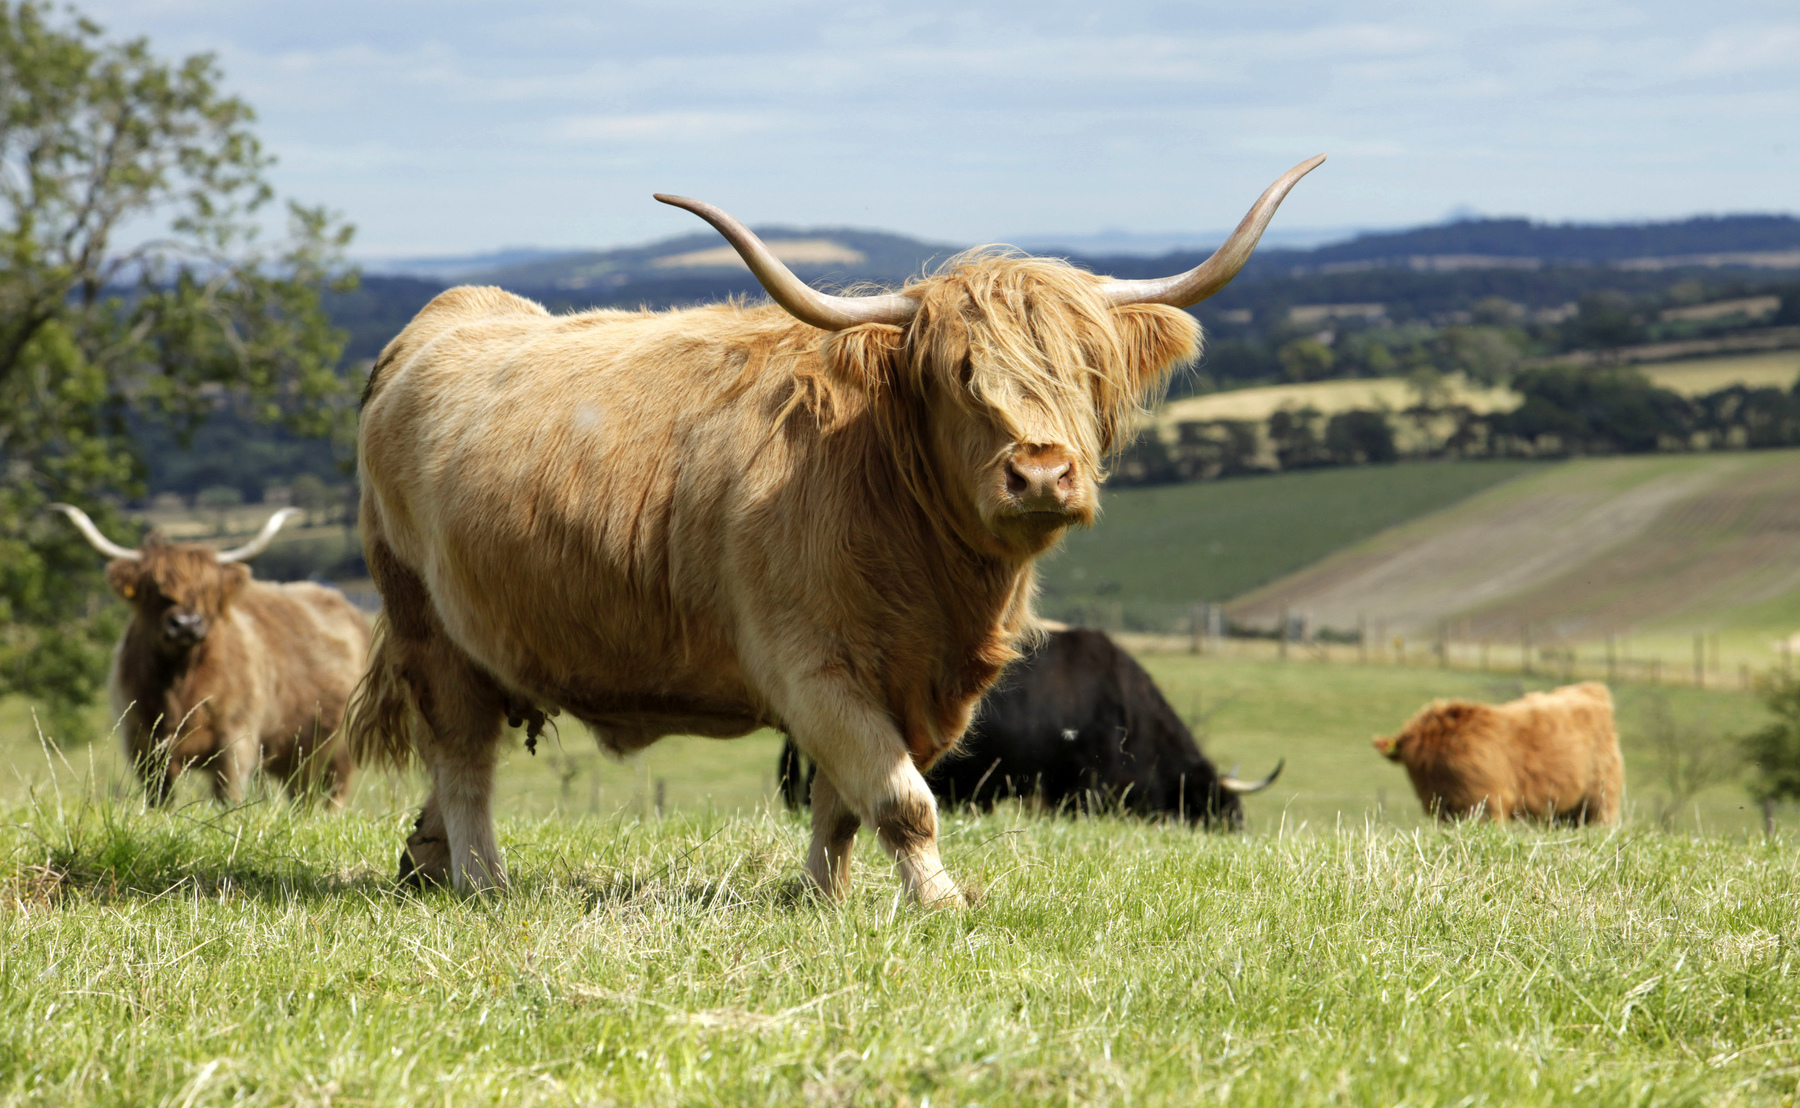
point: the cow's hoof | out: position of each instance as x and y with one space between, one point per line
941 893
424 860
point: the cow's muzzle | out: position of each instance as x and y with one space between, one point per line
183 628
1041 479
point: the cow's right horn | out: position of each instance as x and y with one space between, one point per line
1232 784
802 301
92 533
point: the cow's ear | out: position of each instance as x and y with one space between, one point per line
1386 746
233 576
125 577
1456 713
866 357
1156 338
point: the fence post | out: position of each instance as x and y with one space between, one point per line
1196 629
1699 661
1281 635
1362 639
1612 660
1443 644
1525 648
1768 807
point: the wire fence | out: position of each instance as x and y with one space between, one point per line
1611 659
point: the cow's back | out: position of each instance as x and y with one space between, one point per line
1567 753
307 644
1129 746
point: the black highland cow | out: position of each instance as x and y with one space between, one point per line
1080 725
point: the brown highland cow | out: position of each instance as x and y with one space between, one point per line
223 673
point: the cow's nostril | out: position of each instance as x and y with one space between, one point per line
1016 482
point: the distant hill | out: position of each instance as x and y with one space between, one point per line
832 255
838 255
1519 245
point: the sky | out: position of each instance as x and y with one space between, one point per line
450 127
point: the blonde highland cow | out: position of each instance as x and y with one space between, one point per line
818 515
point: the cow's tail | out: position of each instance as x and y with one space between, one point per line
382 720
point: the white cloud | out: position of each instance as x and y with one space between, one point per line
1745 49
455 125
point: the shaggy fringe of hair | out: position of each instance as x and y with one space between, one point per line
380 719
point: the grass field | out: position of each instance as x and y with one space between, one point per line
1157 550
1690 377
255 957
1698 376
1328 397
1341 950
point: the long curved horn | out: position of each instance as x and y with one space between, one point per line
1184 290
261 542
1232 784
803 302
92 533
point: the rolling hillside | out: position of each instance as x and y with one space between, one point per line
1655 547
1156 551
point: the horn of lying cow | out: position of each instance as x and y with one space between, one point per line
92 533
1184 290
1232 784
803 302
261 542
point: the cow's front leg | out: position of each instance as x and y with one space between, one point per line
866 774
231 768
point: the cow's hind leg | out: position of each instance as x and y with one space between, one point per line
865 774
463 712
451 717
834 827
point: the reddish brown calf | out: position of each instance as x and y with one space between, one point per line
1547 756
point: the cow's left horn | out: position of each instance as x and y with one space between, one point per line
803 302
92 533
1184 290
261 542
1231 783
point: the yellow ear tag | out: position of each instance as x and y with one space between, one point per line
129 591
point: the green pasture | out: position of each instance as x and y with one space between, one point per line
1341 950
261 956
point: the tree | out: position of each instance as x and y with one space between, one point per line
1774 751
1306 360
102 142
